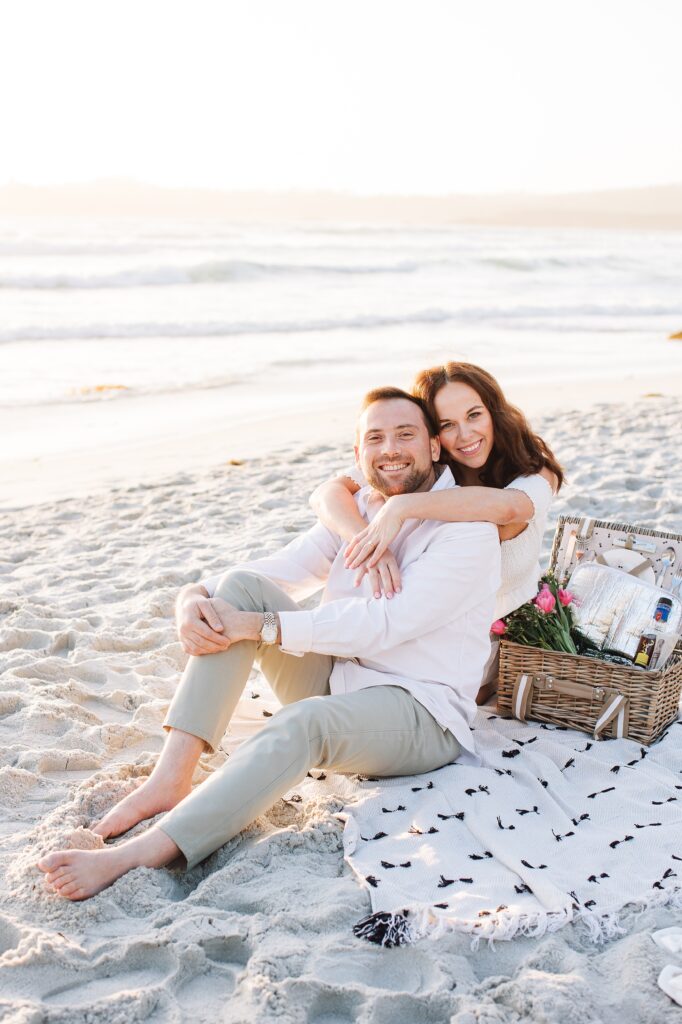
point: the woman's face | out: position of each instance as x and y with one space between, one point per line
466 426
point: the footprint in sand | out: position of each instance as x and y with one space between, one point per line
10 936
325 1006
406 971
391 1008
142 967
232 949
204 994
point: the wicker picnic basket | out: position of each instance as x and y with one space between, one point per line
603 699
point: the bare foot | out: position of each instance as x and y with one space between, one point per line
78 874
149 799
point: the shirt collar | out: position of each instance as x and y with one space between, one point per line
446 479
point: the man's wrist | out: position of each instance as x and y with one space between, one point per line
253 625
256 626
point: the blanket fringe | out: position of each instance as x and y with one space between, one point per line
390 929
386 929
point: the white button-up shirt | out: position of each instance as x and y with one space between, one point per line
432 639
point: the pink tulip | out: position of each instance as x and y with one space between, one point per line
546 600
565 596
498 628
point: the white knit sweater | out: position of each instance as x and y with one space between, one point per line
520 566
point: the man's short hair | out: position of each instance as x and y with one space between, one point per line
388 393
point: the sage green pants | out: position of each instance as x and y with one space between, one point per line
381 730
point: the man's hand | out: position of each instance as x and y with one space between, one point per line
199 626
235 624
384 576
208 625
368 551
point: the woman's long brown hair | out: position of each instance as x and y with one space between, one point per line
516 451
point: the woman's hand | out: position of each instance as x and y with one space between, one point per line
384 577
369 553
369 544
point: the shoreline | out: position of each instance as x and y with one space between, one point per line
102 466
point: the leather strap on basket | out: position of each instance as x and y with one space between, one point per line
614 706
522 698
523 690
636 570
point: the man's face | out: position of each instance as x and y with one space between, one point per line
394 449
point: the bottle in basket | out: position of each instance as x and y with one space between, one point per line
645 649
662 613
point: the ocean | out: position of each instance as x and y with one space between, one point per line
115 328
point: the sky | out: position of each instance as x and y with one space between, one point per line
365 96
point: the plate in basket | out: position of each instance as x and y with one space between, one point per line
621 558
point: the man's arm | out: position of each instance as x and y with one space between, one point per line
459 569
300 568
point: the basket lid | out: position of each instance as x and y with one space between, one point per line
576 536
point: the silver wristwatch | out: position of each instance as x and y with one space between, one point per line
269 631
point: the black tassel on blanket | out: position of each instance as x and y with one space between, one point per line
385 929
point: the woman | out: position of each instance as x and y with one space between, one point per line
508 476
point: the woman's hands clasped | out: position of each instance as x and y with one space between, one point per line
369 552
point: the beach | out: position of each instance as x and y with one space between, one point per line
112 499
261 930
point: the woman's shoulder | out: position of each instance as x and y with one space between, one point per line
538 488
534 482
552 479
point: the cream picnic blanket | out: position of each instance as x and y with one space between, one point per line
555 827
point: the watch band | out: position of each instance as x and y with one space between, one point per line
270 628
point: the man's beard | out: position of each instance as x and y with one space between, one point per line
403 484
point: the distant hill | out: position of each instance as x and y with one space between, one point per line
657 207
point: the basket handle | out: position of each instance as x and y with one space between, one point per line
614 703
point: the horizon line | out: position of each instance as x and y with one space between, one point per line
118 181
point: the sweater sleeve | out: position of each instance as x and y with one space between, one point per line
353 473
538 489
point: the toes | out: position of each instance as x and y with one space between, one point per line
69 889
64 880
54 860
52 876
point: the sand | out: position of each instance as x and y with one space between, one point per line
261 930
71 451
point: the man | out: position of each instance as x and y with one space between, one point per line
381 687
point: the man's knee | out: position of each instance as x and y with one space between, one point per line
306 716
242 588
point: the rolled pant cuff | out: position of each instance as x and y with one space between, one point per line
192 854
197 729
